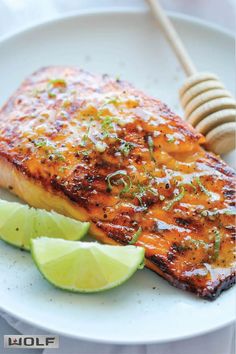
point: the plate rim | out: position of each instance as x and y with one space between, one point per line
96 12
111 10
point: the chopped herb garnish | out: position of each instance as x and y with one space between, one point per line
112 100
107 125
136 236
140 200
217 243
85 152
58 82
126 147
198 243
41 143
59 156
176 199
127 185
153 191
85 137
51 94
203 189
142 190
52 84
56 156
151 147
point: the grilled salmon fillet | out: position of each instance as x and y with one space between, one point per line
95 148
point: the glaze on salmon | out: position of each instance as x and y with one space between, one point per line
98 149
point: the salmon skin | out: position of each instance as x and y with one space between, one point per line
95 148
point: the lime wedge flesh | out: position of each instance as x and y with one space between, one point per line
19 223
85 266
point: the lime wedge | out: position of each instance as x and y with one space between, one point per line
85 266
19 223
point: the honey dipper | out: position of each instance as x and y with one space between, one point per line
208 106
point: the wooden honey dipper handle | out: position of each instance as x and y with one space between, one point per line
208 106
173 37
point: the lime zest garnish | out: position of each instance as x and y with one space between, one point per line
217 243
136 236
41 143
141 193
108 124
202 187
126 147
197 243
112 100
85 152
51 94
127 186
85 137
57 82
176 199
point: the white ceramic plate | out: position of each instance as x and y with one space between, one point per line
126 43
